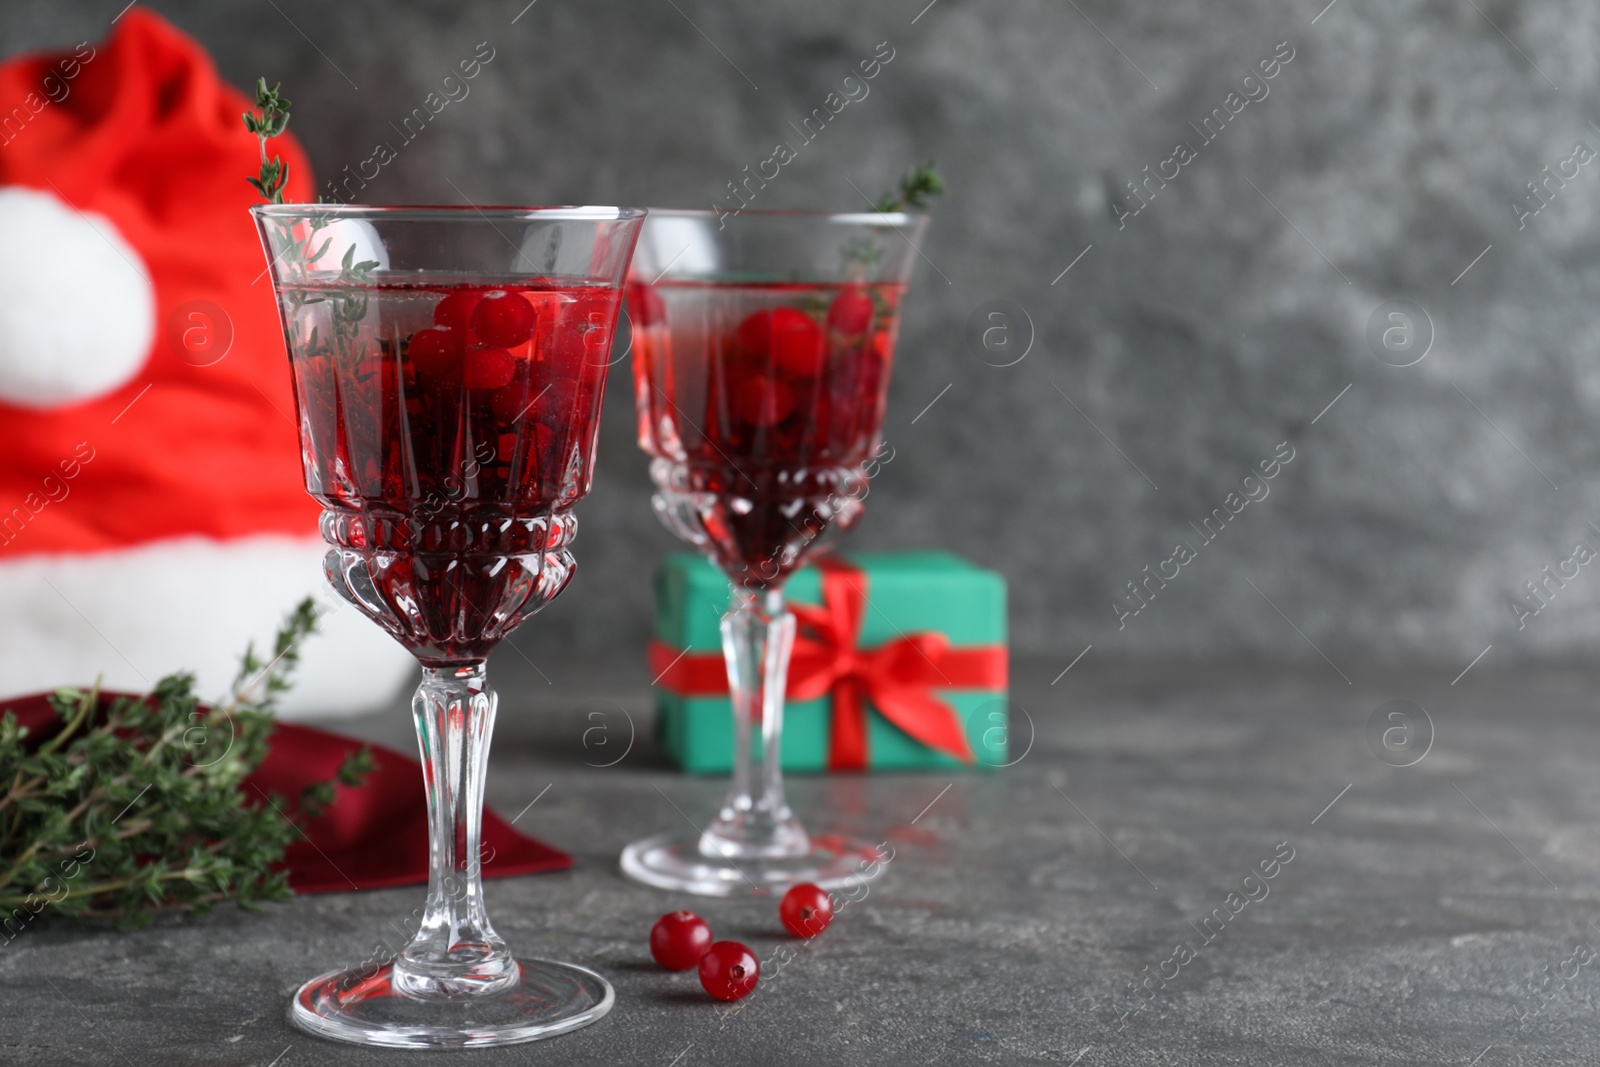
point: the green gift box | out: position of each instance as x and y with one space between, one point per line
930 648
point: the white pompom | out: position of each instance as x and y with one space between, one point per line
77 308
343 235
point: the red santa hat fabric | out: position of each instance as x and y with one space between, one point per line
152 508
132 154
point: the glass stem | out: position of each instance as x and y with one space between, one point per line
755 821
455 952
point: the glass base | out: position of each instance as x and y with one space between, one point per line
678 862
361 1006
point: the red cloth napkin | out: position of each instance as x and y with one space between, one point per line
371 837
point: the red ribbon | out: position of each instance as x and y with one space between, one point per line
897 677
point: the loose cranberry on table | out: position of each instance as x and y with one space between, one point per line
503 319
806 910
679 940
787 336
729 971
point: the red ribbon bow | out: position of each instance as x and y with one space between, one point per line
896 677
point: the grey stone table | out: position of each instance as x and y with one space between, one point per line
1033 914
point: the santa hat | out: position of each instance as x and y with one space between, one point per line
153 515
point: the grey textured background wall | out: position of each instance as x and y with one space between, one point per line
1179 350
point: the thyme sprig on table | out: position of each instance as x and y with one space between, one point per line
137 805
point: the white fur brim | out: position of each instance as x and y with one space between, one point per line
136 614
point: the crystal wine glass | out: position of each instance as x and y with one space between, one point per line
448 366
762 344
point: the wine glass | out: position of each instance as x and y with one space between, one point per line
762 344
448 366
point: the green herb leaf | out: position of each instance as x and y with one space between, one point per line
269 120
136 806
917 189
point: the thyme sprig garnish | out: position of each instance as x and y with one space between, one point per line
269 120
917 189
137 805
348 306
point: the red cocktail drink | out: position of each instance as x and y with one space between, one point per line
762 346
448 365
768 399
446 432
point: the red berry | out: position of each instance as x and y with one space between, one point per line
435 353
850 313
729 971
806 910
788 336
760 402
511 402
489 368
455 310
503 319
679 939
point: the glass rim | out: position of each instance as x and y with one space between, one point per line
437 212
849 218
